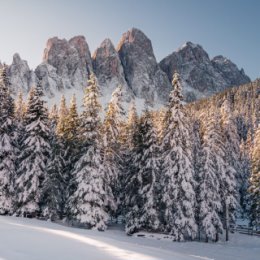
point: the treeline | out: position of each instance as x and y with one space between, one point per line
183 170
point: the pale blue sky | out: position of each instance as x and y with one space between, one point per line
227 27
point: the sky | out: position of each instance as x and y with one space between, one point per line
227 27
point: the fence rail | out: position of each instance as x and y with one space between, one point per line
246 230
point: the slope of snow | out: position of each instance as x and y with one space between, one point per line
33 239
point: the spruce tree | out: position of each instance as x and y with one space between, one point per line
54 186
92 199
20 107
178 182
34 156
254 182
246 165
232 165
62 118
7 145
113 141
209 197
143 182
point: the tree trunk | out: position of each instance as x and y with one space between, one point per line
217 237
227 221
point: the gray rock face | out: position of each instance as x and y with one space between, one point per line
49 79
142 72
20 76
109 70
202 76
230 71
67 64
71 59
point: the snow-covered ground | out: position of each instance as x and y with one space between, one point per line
33 239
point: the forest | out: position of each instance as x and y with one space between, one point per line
188 170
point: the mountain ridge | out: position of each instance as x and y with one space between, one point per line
67 64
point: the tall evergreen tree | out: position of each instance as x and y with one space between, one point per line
245 162
142 186
93 198
113 140
7 145
20 107
62 118
254 181
177 169
53 195
232 165
54 185
209 198
34 156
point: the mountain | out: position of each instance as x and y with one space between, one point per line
109 71
67 64
21 77
142 72
202 76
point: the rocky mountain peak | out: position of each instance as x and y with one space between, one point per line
105 49
191 51
17 59
142 72
109 70
53 46
229 71
66 64
135 37
20 76
201 76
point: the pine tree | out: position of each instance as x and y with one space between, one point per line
209 198
177 170
254 181
54 185
19 113
33 159
132 123
113 141
72 122
68 130
7 146
62 118
92 199
143 184
20 107
245 162
54 116
232 165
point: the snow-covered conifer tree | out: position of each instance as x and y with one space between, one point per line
232 165
54 185
53 196
142 185
20 107
112 140
72 122
62 118
7 146
178 196
34 156
92 199
209 197
254 181
245 162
